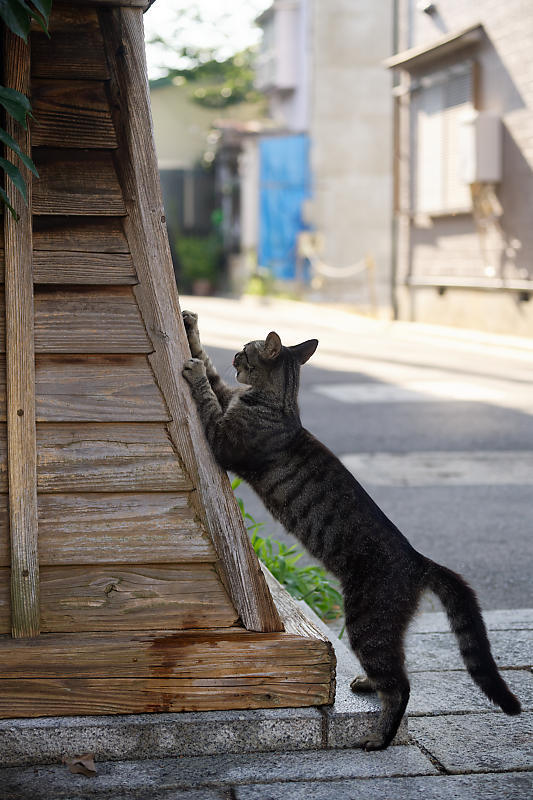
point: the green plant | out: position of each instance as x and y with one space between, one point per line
309 583
17 15
199 257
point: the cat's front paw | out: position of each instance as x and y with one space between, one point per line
193 370
190 320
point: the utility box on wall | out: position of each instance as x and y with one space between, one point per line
480 147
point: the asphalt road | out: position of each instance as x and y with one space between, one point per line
438 428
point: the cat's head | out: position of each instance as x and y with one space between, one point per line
268 363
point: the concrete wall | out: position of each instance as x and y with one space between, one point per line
351 136
454 246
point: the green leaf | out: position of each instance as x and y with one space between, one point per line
15 17
16 104
16 178
5 200
44 8
10 142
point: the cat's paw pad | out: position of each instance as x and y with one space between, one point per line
361 684
371 742
193 370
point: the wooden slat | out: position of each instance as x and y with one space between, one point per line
70 113
130 598
87 235
144 528
76 182
75 48
66 267
87 320
72 697
157 296
97 389
20 372
105 458
161 671
163 653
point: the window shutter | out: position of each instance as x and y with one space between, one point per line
439 104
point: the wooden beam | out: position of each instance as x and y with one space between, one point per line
67 267
79 235
105 457
70 113
119 528
76 182
158 301
130 598
103 388
156 670
20 370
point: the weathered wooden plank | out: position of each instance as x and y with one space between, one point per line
158 301
5 558
133 598
85 235
72 697
100 388
205 654
106 457
76 182
67 267
87 320
20 372
120 528
71 113
74 49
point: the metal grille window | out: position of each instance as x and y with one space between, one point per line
439 102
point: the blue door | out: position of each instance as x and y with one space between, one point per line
283 186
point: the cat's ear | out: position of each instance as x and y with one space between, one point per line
272 347
305 350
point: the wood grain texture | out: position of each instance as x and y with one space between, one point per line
75 47
67 267
87 320
76 182
158 301
104 457
161 671
94 388
20 372
71 113
117 528
79 234
131 598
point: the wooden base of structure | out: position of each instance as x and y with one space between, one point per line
71 674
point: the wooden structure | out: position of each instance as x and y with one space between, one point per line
127 581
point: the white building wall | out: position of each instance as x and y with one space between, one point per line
351 138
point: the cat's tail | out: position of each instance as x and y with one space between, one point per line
464 613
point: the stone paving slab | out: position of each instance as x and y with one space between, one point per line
508 786
498 620
477 742
141 736
439 651
452 692
153 776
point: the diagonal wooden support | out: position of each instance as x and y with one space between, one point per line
20 369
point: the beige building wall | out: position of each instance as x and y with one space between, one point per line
351 140
454 248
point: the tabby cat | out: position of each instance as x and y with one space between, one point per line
256 432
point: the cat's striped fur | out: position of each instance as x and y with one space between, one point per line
256 432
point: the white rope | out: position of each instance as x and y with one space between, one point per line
328 271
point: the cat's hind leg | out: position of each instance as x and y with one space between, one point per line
383 662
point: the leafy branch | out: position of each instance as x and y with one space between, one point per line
17 15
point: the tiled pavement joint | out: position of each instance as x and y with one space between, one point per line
435 761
